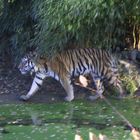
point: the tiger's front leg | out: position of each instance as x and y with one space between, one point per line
37 83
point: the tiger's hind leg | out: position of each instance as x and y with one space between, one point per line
66 83
99 89
117 83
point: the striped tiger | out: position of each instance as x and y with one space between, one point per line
66 65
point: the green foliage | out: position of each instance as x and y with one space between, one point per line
16 24
98 23
1 7
131 79
53 25
129 84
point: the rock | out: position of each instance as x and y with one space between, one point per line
137 92
135 134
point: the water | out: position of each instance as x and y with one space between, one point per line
61 121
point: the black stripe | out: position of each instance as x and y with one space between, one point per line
80 51
102 71
109 78
38 70
73 65
73 73
87 61
31 63
38 77
76 54
91 65
79 67
108 58
94 57
90 56
82 65
84 55
46 67
105 72
77 71
38 84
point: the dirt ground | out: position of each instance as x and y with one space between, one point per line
13 85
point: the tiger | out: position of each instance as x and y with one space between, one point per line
67 64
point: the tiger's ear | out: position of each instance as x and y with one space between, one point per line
32 51
29 49
33 54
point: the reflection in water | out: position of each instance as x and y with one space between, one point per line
36 120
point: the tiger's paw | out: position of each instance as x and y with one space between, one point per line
122 96
24 98
68 99
92 98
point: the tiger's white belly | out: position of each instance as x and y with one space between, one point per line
53 75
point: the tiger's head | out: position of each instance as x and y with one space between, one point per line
27 64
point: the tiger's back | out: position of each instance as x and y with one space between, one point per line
77 62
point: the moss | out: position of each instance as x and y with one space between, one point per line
129 84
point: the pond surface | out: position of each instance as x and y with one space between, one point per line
61 121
